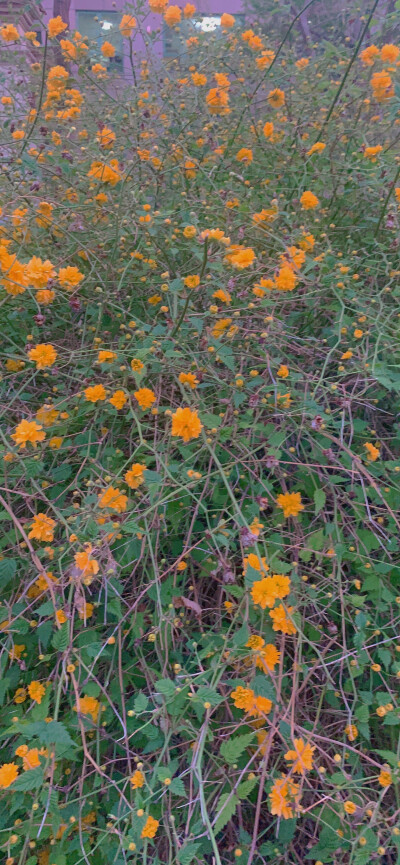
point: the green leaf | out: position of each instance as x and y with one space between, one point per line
8 569
166 687
61 638
187 854
244 789
232 749
319 500
140 702
177 787
227 804
30 780
263 687
388 757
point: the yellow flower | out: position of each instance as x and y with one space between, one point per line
276 98
285 279
44 355
290 503
318 147
265 592
61 617
145 397
118 399
105 356
172 16
45 296
227 20
385 778
28 431
188 378
301 756
281 620
373 453
106 173
369 55
113 498
137 365
372 152
242 258
88 706
189 10
349 807
9 33
127 25
308 200
137 780
351 732
150 828
107 49
105 137
244 155
95 393
20 695
8 771
217 100
39 272
69 277
86 564
389 53
284 798
283 371
192 281
56 26
36 691
186 424
134 476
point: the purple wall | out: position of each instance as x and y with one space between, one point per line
150 24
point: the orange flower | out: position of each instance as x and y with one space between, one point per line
44 355
244 155
308 200
276 98
28 431
189 10
242 258
385 777
106 173
86 564
8 771
137 365
373 453
290 503
113 498
107 49
186 424
137 780
56 26
281 620
36 691
245 698
227 20
217 101
106 137
61 617
95 392
134 476
145 397
192 281
118 399
266 591
150 828
382 86
88 706
389 53
9 33
351 732
158 6
172 15
127 25
31 760
369 55
188 378
69 277
39 272
318 147
285 279
106 356
301 757
284 798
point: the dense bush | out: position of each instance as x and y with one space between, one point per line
200 387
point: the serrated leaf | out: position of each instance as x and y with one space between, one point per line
232 749
263 687
8 569
187 854
207 695
140 702
319 500
388 757
30 780
61 638
165 687
227 804
177 787
244 789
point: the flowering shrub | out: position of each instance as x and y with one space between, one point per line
200 550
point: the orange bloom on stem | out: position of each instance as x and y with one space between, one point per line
113 498
145 397
150 828
266 591
281 620
186 424
135 475
8 774
36 691
44 355
290 503
56 26
301 756
28 431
